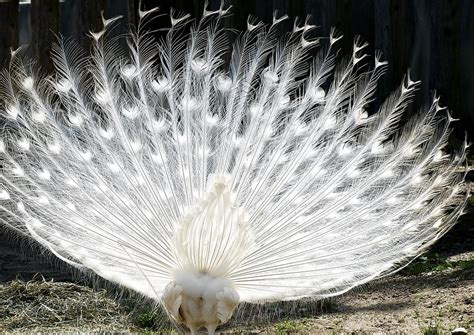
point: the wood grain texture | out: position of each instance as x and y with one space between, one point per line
78 17
44 26
434 38
9 13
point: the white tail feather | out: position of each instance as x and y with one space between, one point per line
117 164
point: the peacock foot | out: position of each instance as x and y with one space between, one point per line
200 301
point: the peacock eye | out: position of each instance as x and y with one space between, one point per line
161 84
270 77
129 71
12 111
317 94
63 85
76 119
130 112
223 83
28 83
200 66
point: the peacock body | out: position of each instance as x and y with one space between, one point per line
202 182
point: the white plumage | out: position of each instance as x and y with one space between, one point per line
203 182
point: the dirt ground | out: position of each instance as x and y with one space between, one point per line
404 305
429 303
433 302
433 295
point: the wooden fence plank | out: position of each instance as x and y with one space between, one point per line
79 17
44 26
9 13
433 37
465 97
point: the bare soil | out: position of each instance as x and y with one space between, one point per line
429 303
434 295
434 302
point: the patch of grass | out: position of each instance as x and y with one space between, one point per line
464 269
148 320
159 332
465 264
269 313
433 262
337 330
435 329
148 317
469 323
289 327
428 263
470 201
57 305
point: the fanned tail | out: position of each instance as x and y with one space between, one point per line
115 163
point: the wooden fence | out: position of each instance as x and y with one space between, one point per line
435 38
